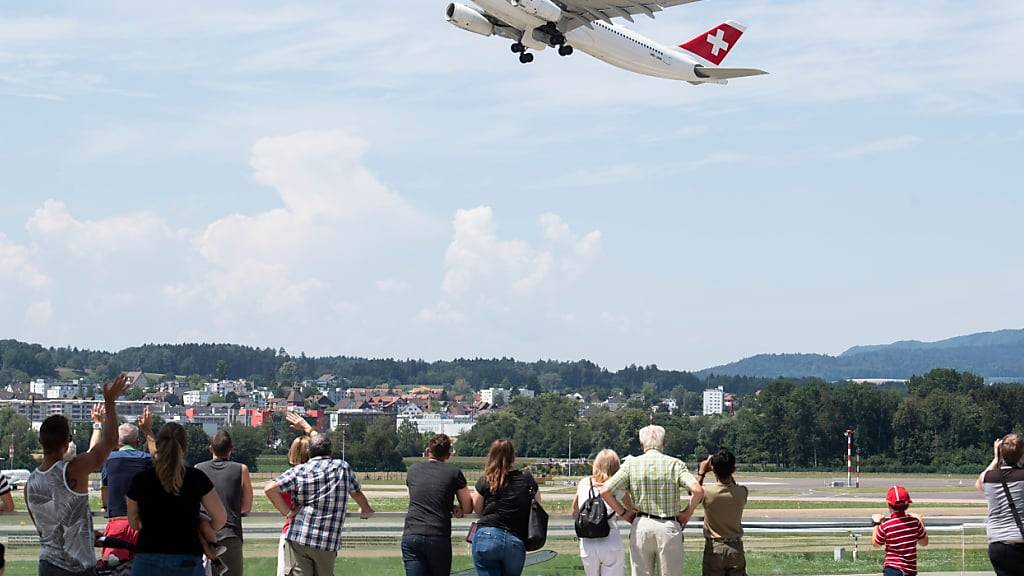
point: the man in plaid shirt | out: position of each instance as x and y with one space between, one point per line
656 482
319 489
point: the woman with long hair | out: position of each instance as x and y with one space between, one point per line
602 556
163 506
298 453
502 500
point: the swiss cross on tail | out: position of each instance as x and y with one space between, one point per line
715 44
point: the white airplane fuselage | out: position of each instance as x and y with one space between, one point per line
616 45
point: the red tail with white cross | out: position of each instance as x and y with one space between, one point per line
715 44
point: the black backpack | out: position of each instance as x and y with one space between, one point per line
593 521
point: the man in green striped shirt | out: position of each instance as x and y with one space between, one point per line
656 482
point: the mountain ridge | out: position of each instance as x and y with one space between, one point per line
997 353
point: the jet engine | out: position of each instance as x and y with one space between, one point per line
546 10
469 19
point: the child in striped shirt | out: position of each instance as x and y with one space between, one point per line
900 534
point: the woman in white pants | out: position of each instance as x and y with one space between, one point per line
602 556
298 453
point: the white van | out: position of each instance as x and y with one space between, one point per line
16 478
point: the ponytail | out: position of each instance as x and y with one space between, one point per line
169 460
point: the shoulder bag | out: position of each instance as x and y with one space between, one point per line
1009 500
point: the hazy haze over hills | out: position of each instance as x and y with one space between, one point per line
991 354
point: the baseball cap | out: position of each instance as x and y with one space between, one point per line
898 496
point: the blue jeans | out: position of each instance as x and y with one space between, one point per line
498 552
426 555
890 571
167 565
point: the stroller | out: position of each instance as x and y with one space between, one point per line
111 566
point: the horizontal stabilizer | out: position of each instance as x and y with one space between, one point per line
726 73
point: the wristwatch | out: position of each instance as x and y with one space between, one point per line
97 426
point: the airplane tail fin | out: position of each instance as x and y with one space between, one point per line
715 44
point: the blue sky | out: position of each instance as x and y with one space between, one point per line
338 179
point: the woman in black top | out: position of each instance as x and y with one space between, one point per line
434 486
163 505
502 500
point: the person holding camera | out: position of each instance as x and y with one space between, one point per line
723 517
1002 483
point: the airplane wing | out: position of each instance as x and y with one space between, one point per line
583 12
726 73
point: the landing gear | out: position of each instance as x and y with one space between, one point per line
518 48
558 40
526 57
565 50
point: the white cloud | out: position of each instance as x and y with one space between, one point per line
492 279
16 264
882 146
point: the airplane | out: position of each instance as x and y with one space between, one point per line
588 26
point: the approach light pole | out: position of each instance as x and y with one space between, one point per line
849 457
342 426
570 427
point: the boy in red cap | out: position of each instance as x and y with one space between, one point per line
899 533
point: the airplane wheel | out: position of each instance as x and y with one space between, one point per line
526 58
565 50
518 48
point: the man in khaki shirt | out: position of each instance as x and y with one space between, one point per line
723 517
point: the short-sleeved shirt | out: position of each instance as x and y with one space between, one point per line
655 480
319 490
432 487
121 466
899 534
169 523
509 507
1000 524
723 511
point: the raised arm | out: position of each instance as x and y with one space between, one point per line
146 427
299 423
84 464
97 424
979 484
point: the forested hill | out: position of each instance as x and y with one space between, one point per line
20 361
990 354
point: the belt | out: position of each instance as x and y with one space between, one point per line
724 540
654 516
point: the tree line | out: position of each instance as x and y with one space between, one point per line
21 361
945 421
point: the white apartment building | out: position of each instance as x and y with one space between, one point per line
495 395
434 423
713 401
223 387
68 390
76 410
195 397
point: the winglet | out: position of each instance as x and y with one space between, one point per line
715 44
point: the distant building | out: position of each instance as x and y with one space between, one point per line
493 396
75 410
527 393
337 417
137 379
195 397
68 390
714 400
224 387
435 423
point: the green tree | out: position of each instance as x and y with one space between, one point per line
17 430
221 371
410 441
198 444
249 443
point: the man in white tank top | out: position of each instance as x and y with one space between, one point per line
57 492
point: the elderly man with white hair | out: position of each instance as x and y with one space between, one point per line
656 482
121 466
